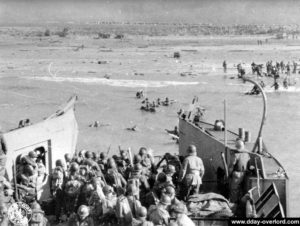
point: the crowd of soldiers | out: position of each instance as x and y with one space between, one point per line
151 106
91 189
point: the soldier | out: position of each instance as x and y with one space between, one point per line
38 216
133 199
57 190
191 173
181 216
108 206
237 170
73 171
123 211
224 66
103 162
82 218
68 160
158 214
141 220
114 178
140 180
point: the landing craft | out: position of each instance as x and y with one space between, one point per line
267 185
51 138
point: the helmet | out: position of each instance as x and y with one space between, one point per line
111 163
132 189
68 157
142 211
161 178
103 155
74 167
35 206
29 169
32 154
239 144
170 191
170 169
192 149
142 151
107 189
89 154
82 153
137 159
60 162
83 211
165 200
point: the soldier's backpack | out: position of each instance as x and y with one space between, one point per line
123 211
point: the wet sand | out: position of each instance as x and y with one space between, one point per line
38 74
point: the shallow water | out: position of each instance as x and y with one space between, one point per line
29 91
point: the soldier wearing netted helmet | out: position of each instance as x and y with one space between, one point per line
191 173
158 214
82 218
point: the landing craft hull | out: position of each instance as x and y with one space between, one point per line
210 145
56 136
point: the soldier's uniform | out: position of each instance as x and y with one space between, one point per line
159 214
82 217
192 173
237 170
38 216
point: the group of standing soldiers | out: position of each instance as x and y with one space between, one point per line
122 191
91 189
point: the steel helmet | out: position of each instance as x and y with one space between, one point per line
142 151
83 211
35 206
74 167
68 157
137 159
89 155
107 189
239 144
142 211
192 149
103 155
161 178
32 154
60 162
165 200
170 169
170 191
132 189
29 169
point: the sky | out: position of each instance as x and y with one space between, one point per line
227 12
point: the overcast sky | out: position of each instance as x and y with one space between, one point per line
187 11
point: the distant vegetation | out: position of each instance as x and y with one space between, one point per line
121 30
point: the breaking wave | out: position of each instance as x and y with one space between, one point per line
291 89
115 82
